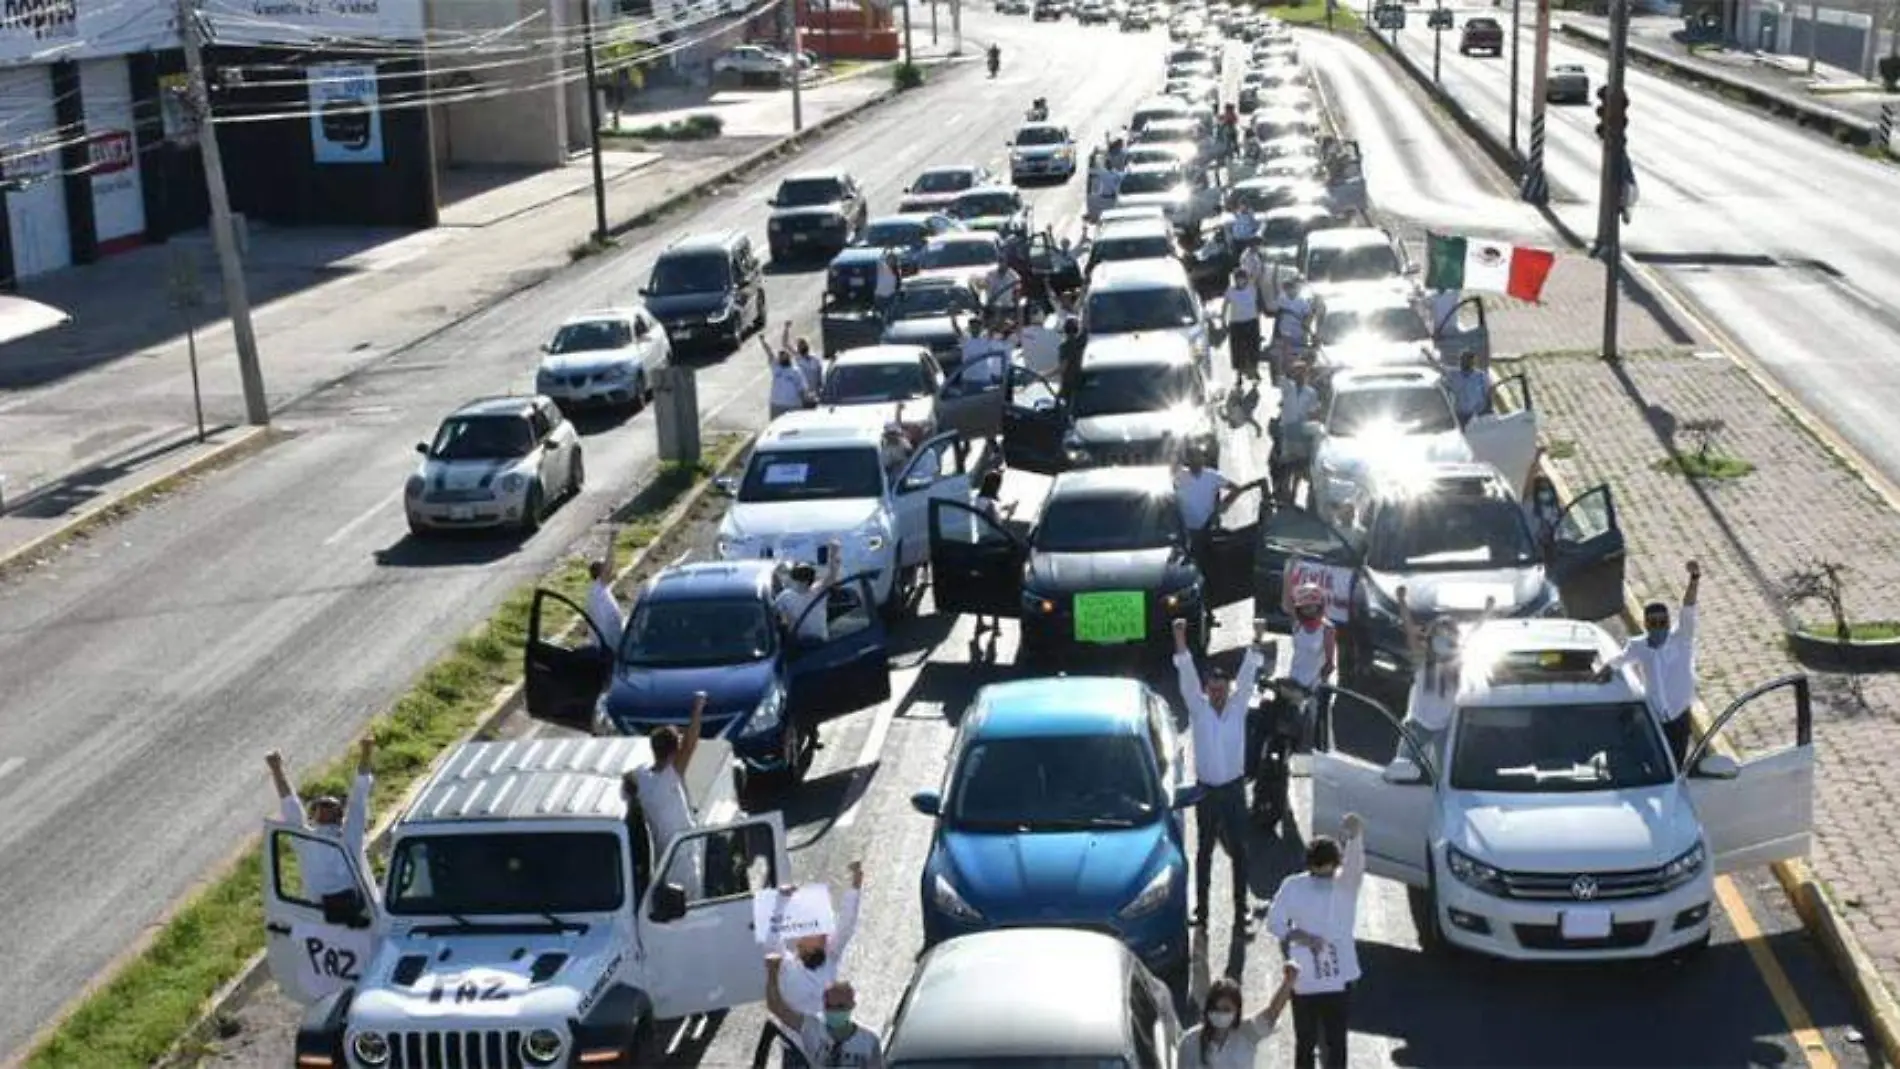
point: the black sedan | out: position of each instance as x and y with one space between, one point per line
937 313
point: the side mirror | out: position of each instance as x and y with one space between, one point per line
1187 796
423 448
645 291
929 803
727 485
771 202
1717 766
1402 772
547 346
669 903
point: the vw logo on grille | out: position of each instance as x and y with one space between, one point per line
1584 888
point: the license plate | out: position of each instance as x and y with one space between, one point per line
461 512
1586 923
683 332
799 239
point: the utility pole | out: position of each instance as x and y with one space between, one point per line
1536 189
910 57
1814 33
237 301
1438 37
933 21
593 120
1517 42
798 71
1610 194
956 27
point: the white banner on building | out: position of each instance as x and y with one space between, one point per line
118 202
346 125
253 22
48 30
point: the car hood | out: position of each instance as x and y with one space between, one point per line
686 304
1379 354
1135 427
664 695
1152 570
469 474
811 211
1353 457
963 275
916 412
927 202
499 963
1164 199
587 363
919 331
806 519
1052 874
1463 593
1598 831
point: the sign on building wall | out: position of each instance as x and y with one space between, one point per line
346 123
247 22
46 30
112 158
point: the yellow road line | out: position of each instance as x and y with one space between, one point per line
1800 1023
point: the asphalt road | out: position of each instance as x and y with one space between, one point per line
281 604
1778 236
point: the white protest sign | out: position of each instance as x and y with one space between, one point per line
779 918
1335 581
330 958
497 992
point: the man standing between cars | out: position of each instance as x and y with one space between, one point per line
1470 388
1217 713
789 388
659 790
810 628
889 281
1290 314
1197 493
1313 915
603 609
327 875
1242 312
816 958
1665 658
831 1038
813 371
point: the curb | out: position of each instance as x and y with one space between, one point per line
247 440
254 974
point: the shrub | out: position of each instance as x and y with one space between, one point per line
907 76
1890 73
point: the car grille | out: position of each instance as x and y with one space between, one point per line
1594 886
1129 455
799 224
450 496
1626 936
455 1050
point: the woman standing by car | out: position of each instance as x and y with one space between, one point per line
1223 1039
1435 653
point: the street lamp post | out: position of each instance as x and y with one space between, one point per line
1438 38
910 57
593 119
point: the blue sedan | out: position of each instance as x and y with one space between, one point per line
1063 810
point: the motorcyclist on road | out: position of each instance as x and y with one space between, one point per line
1315 656
996 59
1039 111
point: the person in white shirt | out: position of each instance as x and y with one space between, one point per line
1313 915
830 1038
1470 388
1242 312
658 794
889 279
1437 671
894 448
1226 1040
328 876
603 609
813 370
1252 262
1197 494
1292 446
815 959
1289 324
1665 658
790 390
1217 713
1001 288
809 626
1243 227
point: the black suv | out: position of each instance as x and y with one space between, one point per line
1136 399
707 290
815 214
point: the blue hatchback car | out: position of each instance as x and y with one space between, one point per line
711 626
1061 808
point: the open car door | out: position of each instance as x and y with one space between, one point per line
971 400
1033 424
563 678
696 919
1232 544
1346 177
1588 556
1759 810
851 669
313 950
1505 435
936 471
1296 546
976 564
1463 329
1365 762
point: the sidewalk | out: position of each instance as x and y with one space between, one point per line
105 404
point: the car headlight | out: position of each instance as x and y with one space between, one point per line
512 483
1185 596
872 535
1473 873
730 546
1684 868
947 899
370 1048
414 487
721 315
541 1046
768 716
1152 897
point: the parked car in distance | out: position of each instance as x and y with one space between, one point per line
604 358
496 462
752 62
1482 35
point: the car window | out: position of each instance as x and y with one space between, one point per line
812 475
1285 229
1039 135
1449 532
1297 532
863 384
1125 310
1125 389
1108 523
1043 783
1557 748
483 438
1348 325
892 235
1150 247
485 874
961 254
684 273
919 302
1153 181
1399 410
943 182
697 634
809 192
1352 263
977 205
592 337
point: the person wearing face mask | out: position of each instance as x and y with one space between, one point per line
804 590
1435 678
1470 388
1544 513
1313 915
813 370
827 1039
1665 658
1217 714
327 875
1315 655
1292 447
1224 1039
660 793
1197 494
790 390
1241 307
814 961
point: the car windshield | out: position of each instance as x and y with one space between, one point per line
929 302
1451 532
813 475
960 254
1549 749
977 205
1146 247
1399 410
1157 181
810 192
1372 325
693 273
1042 783
1123 311
1482 25
943 182
1039 135
696 634
1168 133
1284 229
497 873
483 438
894 235
592 337
1108 523
866 384
1132 388
1352 263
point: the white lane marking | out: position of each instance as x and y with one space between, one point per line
368 514
867 758
10 766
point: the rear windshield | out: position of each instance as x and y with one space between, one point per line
1123 311
807 192
1352 263
1128 389
1151 181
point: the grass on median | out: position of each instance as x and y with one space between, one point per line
1309 13
137 1016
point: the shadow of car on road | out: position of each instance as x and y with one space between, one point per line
450 549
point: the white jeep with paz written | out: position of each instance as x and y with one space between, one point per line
521 924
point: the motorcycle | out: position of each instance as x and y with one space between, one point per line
996 61
1036 113
1281 727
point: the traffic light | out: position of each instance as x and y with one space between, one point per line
1612 113
1603 102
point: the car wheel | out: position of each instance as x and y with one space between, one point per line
1419 903
903 592
418 530
532 509
576 474
638 396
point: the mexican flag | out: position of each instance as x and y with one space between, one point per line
1476 264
